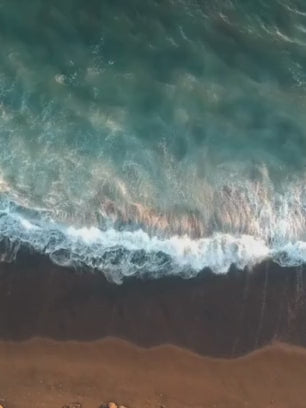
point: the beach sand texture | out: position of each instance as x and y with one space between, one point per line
47 374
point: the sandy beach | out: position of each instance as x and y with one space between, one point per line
46 374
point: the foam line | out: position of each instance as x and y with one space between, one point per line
119 254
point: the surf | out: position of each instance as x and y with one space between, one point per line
120 254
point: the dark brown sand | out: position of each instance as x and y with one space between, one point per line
213 315
47 374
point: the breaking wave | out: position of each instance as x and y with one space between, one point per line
121 254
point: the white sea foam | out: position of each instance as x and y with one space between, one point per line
119 254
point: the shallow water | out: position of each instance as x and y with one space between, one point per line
172 128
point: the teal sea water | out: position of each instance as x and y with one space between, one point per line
143 137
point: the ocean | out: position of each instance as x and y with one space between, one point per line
153 138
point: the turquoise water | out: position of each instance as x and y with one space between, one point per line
175 129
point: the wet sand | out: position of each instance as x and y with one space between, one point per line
213 315
47 374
